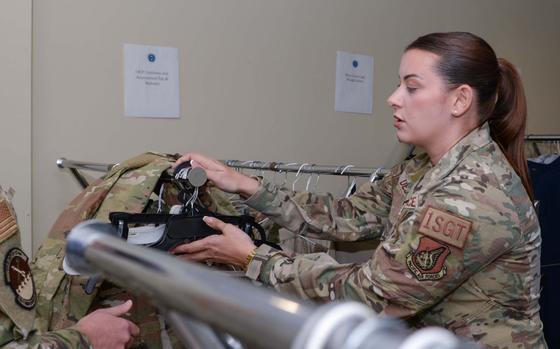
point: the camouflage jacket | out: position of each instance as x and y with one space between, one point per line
460 245
128 187
18 297
61 300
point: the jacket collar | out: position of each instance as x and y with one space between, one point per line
477 138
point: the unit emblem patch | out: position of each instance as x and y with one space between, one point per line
17 275
427 261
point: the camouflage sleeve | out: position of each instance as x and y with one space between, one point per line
62 339
432 250
322 216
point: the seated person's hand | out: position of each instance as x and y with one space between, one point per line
106 329
231 247
224 177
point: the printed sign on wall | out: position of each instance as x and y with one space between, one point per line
151 81
354 83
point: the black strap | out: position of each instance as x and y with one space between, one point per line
183 227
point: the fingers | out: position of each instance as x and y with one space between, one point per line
184 158
197 160
196 257
228 230
180 160
118 310
192 247
195 163
214 223
106 328
203 244
133 329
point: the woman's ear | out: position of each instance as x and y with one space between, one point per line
462 100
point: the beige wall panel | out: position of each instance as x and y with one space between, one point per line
15 108
257 77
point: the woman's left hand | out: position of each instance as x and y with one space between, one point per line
231 247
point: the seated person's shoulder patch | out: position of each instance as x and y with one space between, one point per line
8 223
17 275
17 288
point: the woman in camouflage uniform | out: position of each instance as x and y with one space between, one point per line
460 240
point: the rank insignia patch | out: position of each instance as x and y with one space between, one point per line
427 261
8 224
17 274
446 227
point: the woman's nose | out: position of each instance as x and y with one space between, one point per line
393 99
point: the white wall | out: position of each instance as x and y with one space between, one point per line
15 108
257 77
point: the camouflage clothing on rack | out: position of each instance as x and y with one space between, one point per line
535 148
61 300
460 245
129 186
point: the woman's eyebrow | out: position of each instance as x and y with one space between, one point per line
411 76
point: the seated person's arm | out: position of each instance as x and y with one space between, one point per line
102 329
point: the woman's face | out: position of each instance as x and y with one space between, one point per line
421 103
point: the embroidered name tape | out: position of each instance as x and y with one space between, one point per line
411 202
404 185
445 227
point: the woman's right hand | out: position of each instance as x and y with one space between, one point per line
225 178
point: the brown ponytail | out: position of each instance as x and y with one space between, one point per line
508 120
467 59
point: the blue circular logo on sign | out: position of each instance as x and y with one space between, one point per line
151 57
355 64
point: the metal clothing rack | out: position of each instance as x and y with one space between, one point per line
542 138
75 166
196 300
343 170
534 139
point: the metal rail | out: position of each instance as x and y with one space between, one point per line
259 317
83 165
343 170
542 138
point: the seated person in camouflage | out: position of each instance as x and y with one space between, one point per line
103 328
460 240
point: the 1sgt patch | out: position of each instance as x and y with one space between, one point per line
445 227
426 262
17 274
